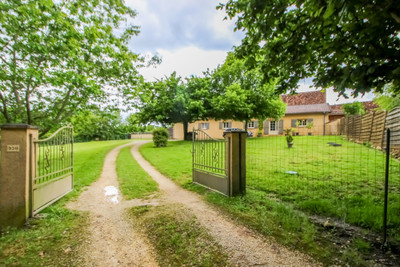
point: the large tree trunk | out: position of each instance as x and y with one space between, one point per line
185 131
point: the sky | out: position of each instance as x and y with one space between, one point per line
191 36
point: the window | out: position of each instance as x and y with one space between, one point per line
272 126
226 125
302 123
205 126
251 124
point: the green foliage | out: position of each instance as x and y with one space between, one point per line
99 125
57 56
134 182
241 94
166 101
356 108
387 100
342 44
178 237
160 137
289 138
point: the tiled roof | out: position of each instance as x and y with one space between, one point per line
302 109
370 105
336 110
306 98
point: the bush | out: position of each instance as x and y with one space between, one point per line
160 137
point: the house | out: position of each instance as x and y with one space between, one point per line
307 113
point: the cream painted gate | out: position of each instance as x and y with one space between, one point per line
51 168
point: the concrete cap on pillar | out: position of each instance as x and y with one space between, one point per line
17 126
234 130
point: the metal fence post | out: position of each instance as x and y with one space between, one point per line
385 206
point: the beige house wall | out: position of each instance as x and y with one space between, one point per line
319 121
177 131
215 131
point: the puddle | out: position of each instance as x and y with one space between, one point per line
111 194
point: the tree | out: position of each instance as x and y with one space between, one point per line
355 108
56 56
242 95
387 100
103 125
166 101
343 44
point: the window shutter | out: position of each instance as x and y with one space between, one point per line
230 124
280 127
199 126
221 124
266 127
207 125
244 125
294 122
309 120
256 124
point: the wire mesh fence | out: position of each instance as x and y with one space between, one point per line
327 176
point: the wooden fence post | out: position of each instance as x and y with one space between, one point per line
15 173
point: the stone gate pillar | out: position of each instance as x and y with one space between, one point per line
15 173
236 161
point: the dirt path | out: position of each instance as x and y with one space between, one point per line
112 241
244 247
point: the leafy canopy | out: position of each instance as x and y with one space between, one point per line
240 94
344 44
355 108
56 56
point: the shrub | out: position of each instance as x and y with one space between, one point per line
160 137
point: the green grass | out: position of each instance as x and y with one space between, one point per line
134 182
178 238
53 238
174 161
330 182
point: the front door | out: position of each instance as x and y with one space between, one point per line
273 127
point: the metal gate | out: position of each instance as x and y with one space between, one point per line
209 162
51 168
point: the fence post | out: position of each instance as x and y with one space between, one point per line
236 161
15 173
385 205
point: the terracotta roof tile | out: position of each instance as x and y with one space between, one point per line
305 98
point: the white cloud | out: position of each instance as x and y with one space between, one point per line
185 61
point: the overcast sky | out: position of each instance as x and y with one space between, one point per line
190 36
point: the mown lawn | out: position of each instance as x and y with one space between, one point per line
53 238
331 181
134 182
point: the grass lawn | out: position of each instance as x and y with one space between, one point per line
53 238
134 182
330 181
178 237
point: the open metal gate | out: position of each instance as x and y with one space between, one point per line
51 168
209 162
